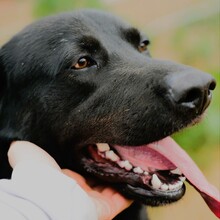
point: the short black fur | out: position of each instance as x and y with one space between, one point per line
123 98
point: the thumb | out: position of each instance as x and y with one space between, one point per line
23 151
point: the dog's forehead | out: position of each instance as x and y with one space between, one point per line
100 25
103 26
80 22
83 23
67 27
106 28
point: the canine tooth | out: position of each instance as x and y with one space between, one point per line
138 170
164 187
155 181
182 178
103 147
112 156
176 171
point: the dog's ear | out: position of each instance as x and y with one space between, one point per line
7 134
5 139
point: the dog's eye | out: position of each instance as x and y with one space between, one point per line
143 45
83 62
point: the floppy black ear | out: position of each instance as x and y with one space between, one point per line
5 141
8 120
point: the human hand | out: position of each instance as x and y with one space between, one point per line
108 202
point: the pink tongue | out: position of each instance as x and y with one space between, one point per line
167 154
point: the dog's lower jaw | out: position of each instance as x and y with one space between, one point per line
149 198
134 183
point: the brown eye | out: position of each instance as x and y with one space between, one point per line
83 62
143 46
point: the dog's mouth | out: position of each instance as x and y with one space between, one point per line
153 174
146 172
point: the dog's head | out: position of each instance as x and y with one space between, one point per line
84 87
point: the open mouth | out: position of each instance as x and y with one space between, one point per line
154 173
159 174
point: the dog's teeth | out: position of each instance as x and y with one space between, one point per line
138 170
121 163
155 181
176 171
146 173
125 164
171 186
112 156
103 147
164 187
179 184
176 186
182 178
128 165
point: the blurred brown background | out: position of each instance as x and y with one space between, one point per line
187 31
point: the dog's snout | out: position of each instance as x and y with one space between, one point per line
191 90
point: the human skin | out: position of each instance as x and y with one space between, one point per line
108 202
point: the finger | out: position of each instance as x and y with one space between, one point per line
74 175
21 151
78 178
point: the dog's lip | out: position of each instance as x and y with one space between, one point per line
168 148
153 197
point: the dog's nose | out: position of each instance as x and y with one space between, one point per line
191 90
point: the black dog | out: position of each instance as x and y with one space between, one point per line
71 81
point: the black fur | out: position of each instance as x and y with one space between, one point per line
120 98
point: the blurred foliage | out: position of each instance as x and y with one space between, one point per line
48 7
197 43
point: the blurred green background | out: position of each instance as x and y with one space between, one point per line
186 31
43 8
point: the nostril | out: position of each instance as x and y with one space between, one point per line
212 85
191 91
191 98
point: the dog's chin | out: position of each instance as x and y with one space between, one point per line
152 197
149 185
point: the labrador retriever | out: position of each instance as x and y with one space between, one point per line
83 86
